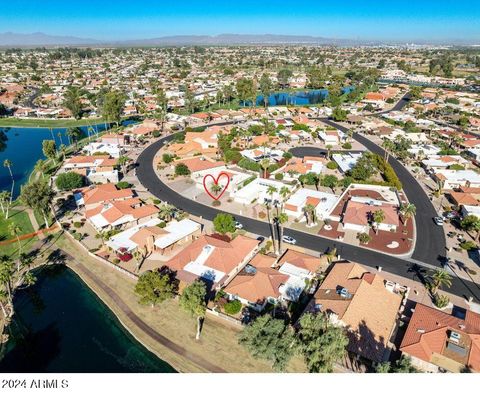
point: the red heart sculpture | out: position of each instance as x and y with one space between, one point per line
215 180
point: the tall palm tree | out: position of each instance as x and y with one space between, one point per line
15 231
281 219
438 279
4 198
408 211
267 204
284 193
6 275
265 163
309 211
215 188
8 164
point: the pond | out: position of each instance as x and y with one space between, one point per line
61 326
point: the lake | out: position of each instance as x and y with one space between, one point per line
24 148
61 326
300 98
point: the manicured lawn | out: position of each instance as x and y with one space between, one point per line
20 218
15 122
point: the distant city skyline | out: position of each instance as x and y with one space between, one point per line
109 20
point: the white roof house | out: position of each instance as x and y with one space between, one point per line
323 202
346 161
99 147
471 210
424 149
258 154
331 137
443 161
123 239
456 178
257 190
235 176
294 286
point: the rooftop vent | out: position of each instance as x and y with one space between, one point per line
420 330
454 337
249 269
343 292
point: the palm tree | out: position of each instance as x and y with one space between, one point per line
265 163
309 211
329 148
387 145
270 222
408 211
15 231
165 212
6 275
41 167
215 188
378 217
438 279
4 197
281 219
8 164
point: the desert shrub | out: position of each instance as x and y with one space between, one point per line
278 176
162 225
347 145
167 158
123 185
441 301
77 224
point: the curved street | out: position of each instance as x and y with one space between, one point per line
407 268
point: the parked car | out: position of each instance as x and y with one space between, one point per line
289 240
438 220
451 215
238 225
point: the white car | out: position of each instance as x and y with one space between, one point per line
438 220
289 240
238 225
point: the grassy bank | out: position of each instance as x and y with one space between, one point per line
218 343
47 123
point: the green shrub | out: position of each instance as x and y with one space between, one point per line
233 307
468 245
69 181
347 145
116 260
232 156
278 176
167 158
287 155
248 164
441 301
122 185
156 134
162 225
332 165
77 224
182 170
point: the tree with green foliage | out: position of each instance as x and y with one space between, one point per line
72 101
167 158
73 135
283 77
233 307
377 217
246 90
404 365
182 170
266 87
363 238
471 223
364 168
112 106
339 114
38 195
320 343
69 181
439 278
49 148
270 339
408 211
224 223
193 301
329 181
7 163
154 287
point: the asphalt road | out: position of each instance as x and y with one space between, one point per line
146 174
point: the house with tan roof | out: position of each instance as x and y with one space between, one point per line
213 259
323 202
91 197
452 179
361 302
438 341
120 213
298 166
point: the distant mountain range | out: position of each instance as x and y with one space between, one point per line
37 39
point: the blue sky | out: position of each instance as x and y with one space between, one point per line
367 19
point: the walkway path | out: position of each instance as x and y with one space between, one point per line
142 325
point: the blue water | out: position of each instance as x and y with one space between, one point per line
61 326
24 149
301 98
